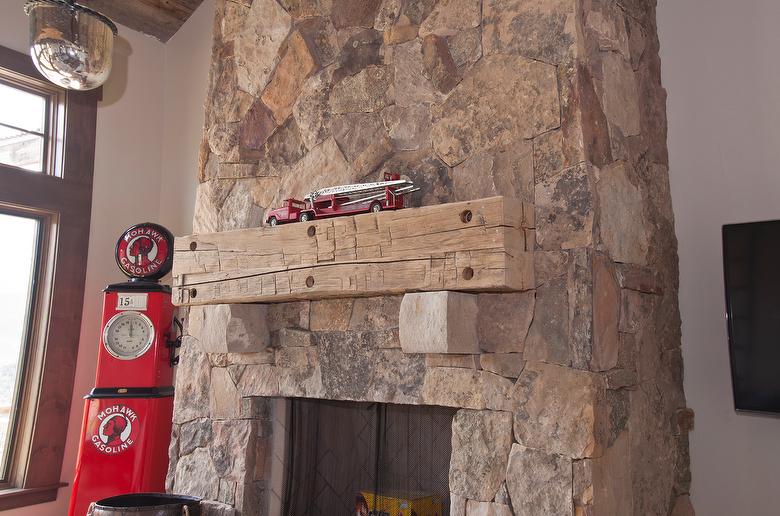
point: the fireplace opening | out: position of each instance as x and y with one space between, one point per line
377 459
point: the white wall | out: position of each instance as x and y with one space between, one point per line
149 126
721 68
187 60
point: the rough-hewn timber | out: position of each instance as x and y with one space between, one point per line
481 245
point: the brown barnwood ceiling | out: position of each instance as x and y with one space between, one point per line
158 18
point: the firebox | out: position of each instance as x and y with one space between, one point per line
366 459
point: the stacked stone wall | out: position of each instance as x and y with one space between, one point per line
574 403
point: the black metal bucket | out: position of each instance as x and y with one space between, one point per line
146 504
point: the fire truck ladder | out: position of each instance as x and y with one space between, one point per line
400 191
358 188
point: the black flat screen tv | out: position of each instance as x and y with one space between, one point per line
751 264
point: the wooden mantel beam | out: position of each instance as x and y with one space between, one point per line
482 245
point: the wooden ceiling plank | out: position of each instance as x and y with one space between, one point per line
158 18
176 9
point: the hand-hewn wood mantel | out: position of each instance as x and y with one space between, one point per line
482 245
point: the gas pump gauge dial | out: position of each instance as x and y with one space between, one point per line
128 335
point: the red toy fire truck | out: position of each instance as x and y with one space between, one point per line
352 199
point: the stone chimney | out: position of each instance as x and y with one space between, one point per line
571 398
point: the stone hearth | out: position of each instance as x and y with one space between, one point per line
573 401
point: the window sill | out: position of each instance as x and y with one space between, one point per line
17 497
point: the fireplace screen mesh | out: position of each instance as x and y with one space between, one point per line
348 458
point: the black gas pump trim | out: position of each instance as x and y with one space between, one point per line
129 392
138 286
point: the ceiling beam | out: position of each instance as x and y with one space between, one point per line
158 18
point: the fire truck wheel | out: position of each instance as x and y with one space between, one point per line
376 207
305 217
273 222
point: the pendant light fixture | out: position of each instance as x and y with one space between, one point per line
71 45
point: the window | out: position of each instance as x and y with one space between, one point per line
17 293
47 141
30 123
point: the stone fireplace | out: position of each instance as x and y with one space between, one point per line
572 401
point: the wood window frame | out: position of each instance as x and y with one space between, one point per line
62 198
55 115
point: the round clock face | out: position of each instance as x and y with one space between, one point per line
145 251
128 335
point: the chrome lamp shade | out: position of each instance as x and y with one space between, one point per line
71 45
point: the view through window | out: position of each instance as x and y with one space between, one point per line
23 128
20 235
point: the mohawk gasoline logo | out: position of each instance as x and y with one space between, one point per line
117 429
145 251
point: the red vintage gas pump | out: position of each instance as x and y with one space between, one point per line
127 416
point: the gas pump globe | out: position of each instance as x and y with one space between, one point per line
128 415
